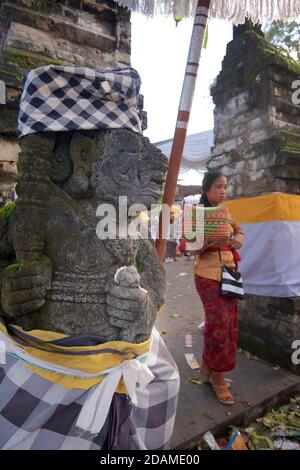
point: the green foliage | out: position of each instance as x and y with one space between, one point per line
27 60
267 50
14 267
139 264
7 210
15 76
291 142
285 36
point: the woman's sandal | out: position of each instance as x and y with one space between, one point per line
205 378
222 393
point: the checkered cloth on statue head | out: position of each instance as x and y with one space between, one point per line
57 98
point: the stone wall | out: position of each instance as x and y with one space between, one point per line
257 146
92 33
257 126
268 326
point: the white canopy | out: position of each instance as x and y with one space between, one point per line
234 10
197 151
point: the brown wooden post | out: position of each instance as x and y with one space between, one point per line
183 116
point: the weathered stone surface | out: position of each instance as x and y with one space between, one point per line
255 123
77 26
268 327
9 150
7 191
72 287
13 96
8 121
43 48
2 92
254 111
226 147
257 146
9 168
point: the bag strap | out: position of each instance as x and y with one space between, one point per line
220 258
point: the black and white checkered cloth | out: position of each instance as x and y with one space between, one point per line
39 414
57 98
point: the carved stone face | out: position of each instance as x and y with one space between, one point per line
73 160
130 166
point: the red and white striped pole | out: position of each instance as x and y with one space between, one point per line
183 116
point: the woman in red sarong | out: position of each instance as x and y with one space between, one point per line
221 323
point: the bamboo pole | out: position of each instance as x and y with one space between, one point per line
183 116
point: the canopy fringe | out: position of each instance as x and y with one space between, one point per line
234 10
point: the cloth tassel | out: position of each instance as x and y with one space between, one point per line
233 10
94 412
2 352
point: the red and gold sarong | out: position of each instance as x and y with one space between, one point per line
221 325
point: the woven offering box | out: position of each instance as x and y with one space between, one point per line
215 226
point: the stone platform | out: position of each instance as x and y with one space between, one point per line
257 384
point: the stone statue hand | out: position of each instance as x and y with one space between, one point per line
24 286
128 304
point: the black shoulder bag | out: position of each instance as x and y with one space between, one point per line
231 281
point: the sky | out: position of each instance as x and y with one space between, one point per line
159 54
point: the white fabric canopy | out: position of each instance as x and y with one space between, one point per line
197 151
271 258
233 10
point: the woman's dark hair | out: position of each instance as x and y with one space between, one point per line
208 179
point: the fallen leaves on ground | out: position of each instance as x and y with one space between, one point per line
278 430
194 380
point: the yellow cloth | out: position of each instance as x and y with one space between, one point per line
265 208
92 363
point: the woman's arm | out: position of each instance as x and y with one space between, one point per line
239 236
215 244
